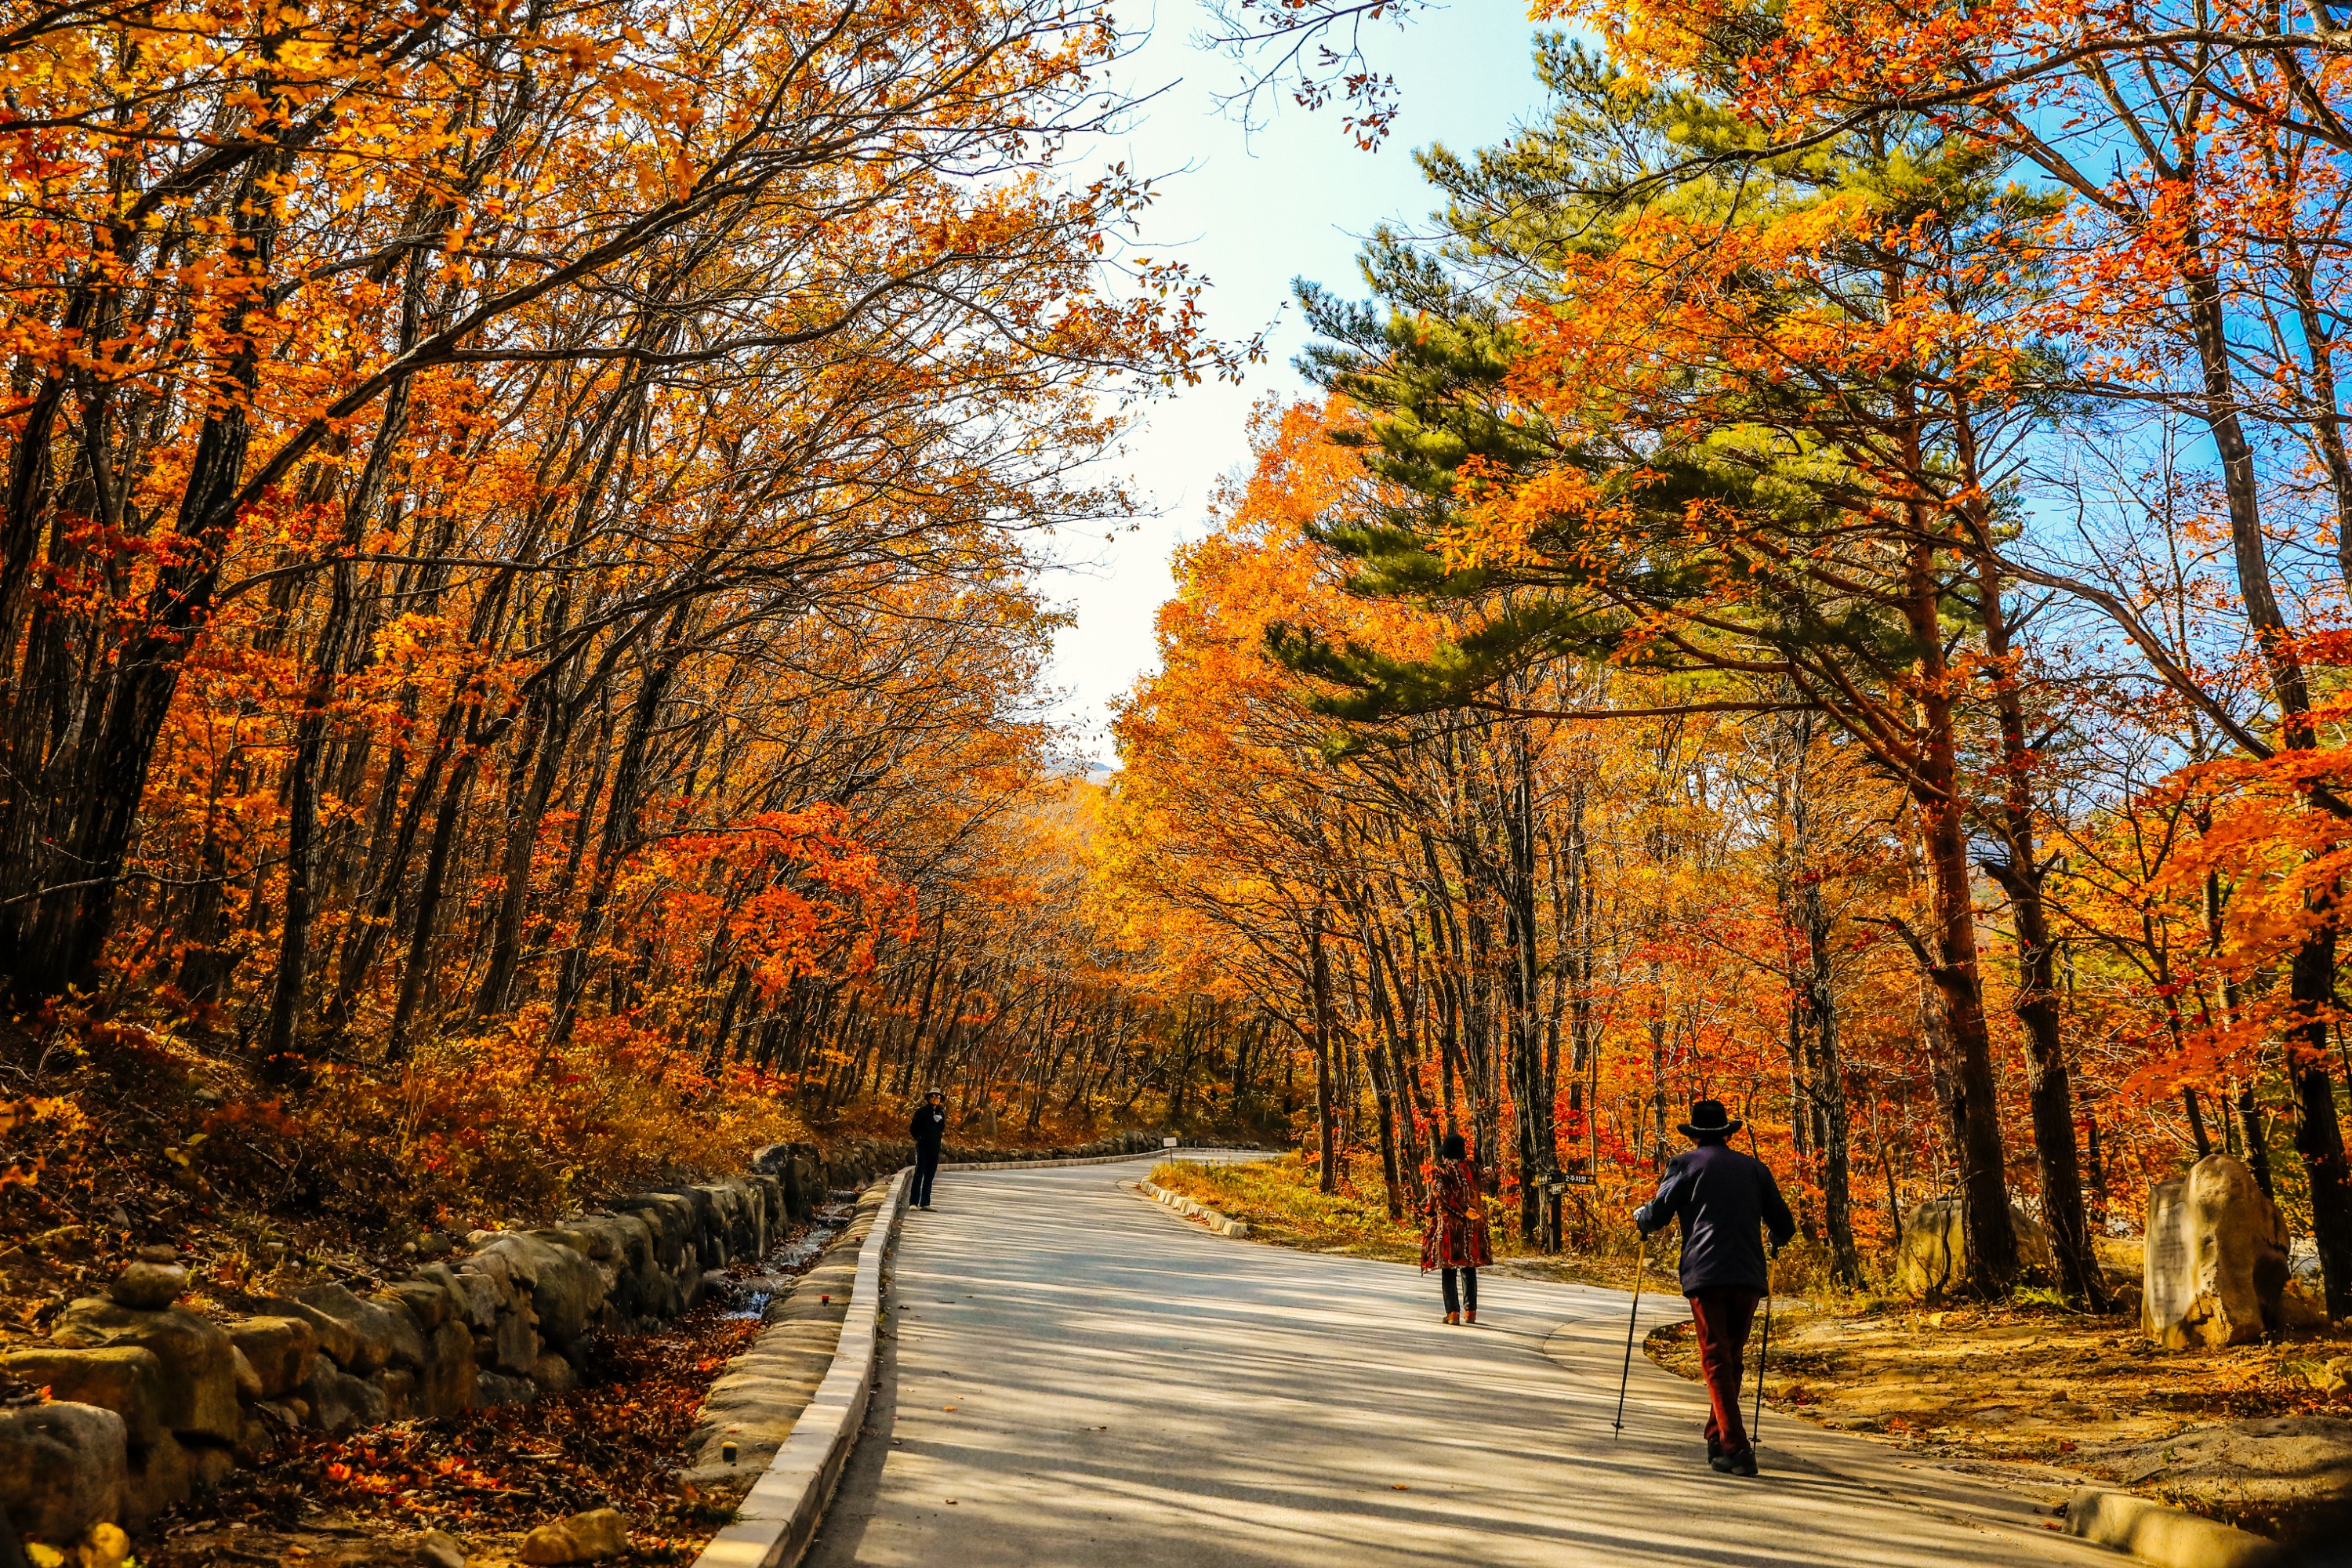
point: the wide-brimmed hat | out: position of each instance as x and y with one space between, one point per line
935 1093
1709 1120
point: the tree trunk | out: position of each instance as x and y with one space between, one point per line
2021 877
1984 1184
1327 1115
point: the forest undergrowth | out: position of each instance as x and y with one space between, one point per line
145 1134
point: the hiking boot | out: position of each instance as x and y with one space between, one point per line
1453 1319
1471 1316
1714 1448
1743 1463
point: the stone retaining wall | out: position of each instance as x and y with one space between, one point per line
152 1402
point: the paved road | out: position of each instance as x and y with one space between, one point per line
1077 1377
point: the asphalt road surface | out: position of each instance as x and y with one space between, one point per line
1075 1376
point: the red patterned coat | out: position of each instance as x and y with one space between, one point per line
1453 1225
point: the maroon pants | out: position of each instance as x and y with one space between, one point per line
1723 1318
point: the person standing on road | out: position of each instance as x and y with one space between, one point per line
1454 1230
928 1129
1721 1197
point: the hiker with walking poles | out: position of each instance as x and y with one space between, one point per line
1722 1198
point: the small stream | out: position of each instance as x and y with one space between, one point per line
762 1281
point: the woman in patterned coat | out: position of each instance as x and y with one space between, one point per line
1453 1229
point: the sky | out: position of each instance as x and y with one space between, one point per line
1252 208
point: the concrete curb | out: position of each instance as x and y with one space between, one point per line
1193 1210
1057 1164
1049 1165
779 1517
2165 1536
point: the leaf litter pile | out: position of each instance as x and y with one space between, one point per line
488 1477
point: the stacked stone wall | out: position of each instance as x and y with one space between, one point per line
152 1402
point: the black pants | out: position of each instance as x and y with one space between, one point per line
925 1169
1468 1295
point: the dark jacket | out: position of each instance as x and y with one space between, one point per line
930 1125
1723 1199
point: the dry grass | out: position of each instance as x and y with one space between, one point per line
1285 1207
1280 1201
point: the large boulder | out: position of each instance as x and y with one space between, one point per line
63 1468
510 1339
627 1241
2216 1266
550 1373
708 1227
397 1384
125 1379
514 1344
1933 1261
196 1378
769 1191
495 1388
621 1246
278 1349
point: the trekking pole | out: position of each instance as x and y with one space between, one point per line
1764 1345
1641 1251
1763 1350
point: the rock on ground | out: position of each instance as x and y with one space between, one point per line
149 1287
1933 1261
62 1469
125 1379
380 1335
588 1537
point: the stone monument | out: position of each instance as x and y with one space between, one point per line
2216 1267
